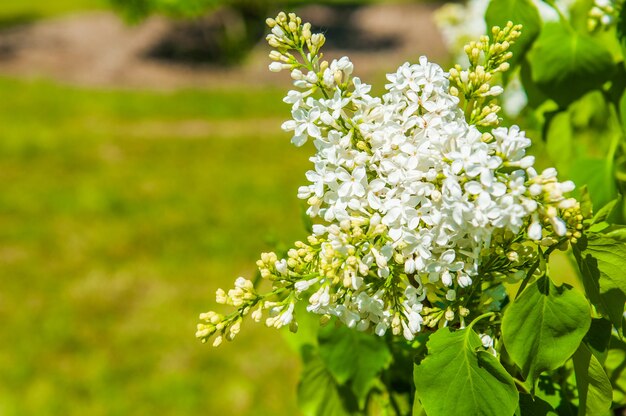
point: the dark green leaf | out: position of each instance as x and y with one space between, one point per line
615 365
353 356
566 408
598 338
458 377
535 96
594 388
523 12
618 215
622 107
384 402
586 206
319 394
621 29
618 85
604 212
557 394
616 232
602 262
543 327
529 406
566 64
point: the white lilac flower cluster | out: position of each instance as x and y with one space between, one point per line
416 208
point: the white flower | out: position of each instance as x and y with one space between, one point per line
464 280
303 125
354 183
303 285
281 266
534 231
486 340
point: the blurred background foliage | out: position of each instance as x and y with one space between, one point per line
14 12
117 223
121 212
225 30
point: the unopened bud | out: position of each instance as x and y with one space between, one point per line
449 315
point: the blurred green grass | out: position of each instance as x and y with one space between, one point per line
48 8
23 11
121 212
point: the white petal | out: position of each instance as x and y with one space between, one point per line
534 231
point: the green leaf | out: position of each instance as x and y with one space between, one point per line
598 338
566 64
557 393
602 263
618 86
458 377
615 365
622 107
384 402
616 232
594 388
418 409
604 212
535 96
586 206
621 29
543 327
579 14
523 12
617 219
529 406
353 356
308 327
559 142
318 393
597 175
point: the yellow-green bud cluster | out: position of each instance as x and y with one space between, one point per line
288 33
498 50
219 326
508 257
487 57
267 265
433 317
604 14
574 219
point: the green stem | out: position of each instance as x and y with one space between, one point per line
392 400
529 274
478 318
521 386
615 143
468 109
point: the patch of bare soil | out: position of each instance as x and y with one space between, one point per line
99 49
